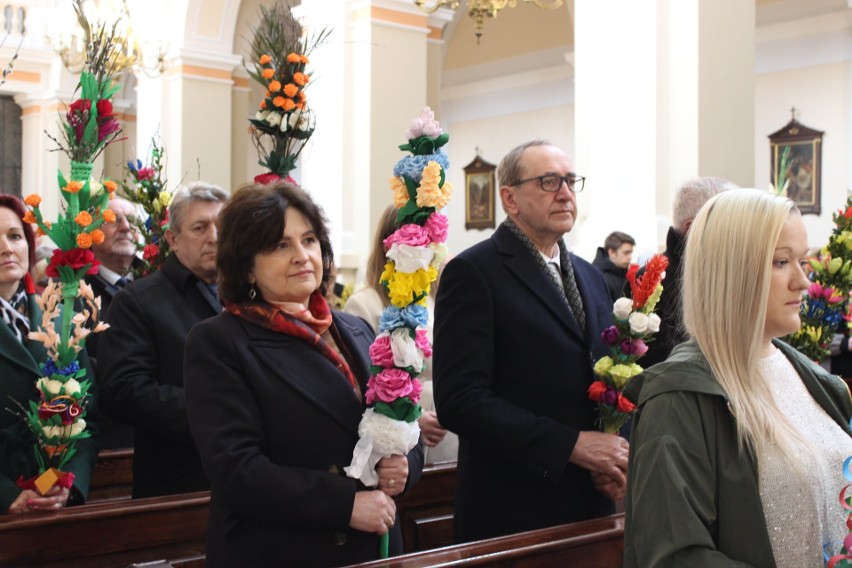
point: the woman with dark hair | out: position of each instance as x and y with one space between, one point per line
19 371
274 389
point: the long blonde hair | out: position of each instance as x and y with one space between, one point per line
727 271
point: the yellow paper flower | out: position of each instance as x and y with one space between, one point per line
620 374
33 200
83 218
429 193
400 191
164 198
603 366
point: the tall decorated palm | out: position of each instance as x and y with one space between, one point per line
284 122
70 309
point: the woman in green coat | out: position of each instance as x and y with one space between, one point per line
736 457
19 371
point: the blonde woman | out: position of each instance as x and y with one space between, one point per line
368 304
738 444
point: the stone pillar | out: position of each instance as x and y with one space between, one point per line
664 92
195 118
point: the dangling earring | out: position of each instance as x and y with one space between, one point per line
252 292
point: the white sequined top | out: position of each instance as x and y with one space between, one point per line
802 514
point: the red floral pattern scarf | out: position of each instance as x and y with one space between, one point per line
307 326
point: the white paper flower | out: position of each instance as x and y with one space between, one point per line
72 387
405 351
380 437
261 114
273 119
622 308
49 386
441 252
409 258
638 322
653 323
303 121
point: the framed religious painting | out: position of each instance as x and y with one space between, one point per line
479 183
796 158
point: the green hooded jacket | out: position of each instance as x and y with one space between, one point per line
692 496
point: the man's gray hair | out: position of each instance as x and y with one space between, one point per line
186 195
692 195
509 169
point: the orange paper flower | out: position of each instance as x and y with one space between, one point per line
263 105
84 240
33 200
301 79
268 74
303 59
274 86
110 186
83 218
109 216
290 90
98 236
73 187
29 217
288 105
264 59
294 58
278 101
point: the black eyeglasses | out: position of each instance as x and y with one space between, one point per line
551 183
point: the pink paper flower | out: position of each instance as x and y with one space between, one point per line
436 225
381 353
392 384
422 342
410 234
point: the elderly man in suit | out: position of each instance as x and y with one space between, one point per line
517 330
117 257
141 355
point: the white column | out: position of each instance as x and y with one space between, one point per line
664 92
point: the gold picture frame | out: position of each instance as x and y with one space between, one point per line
797 150
480 182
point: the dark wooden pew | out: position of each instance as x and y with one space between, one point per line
111 533
598 543
112 476
426 511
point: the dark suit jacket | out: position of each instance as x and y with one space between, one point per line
19 371
114 434
275 423
511 372
140 371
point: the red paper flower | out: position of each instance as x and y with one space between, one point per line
643 287
597 390
150 251
75 258
625 405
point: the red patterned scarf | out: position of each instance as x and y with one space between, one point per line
308 326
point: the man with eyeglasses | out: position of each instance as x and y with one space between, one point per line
518 326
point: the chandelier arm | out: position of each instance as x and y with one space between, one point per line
551 5
451 4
